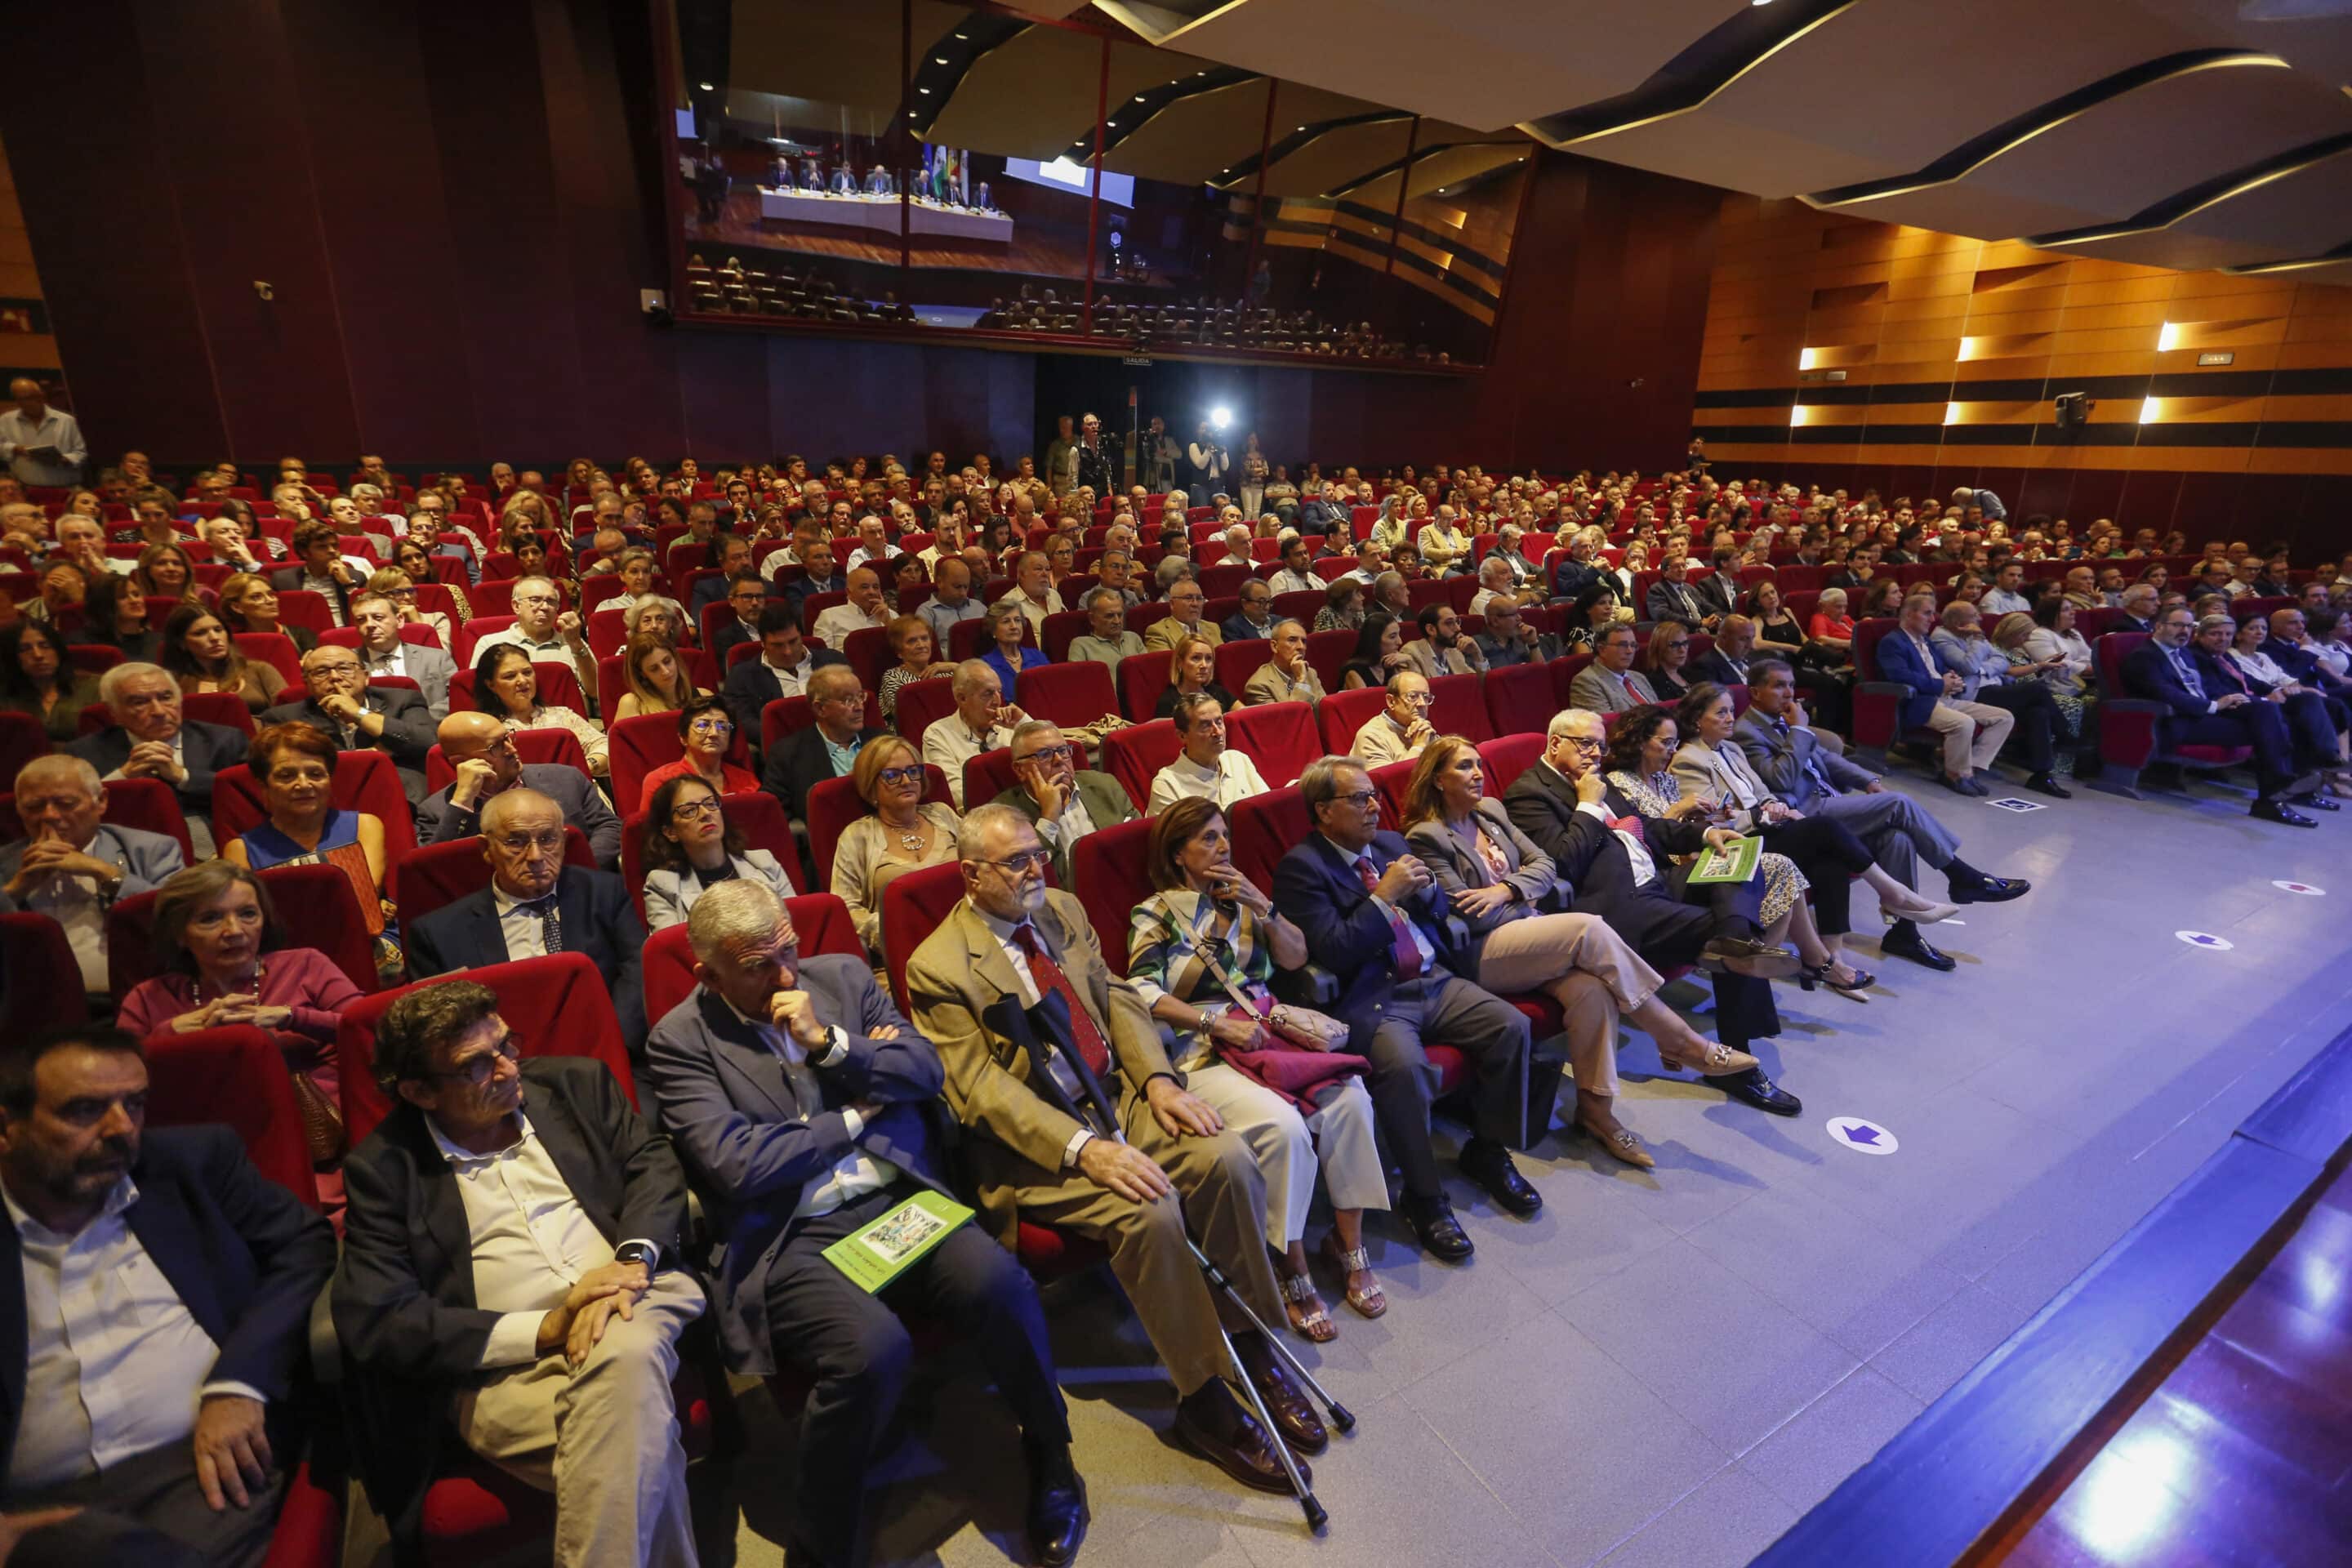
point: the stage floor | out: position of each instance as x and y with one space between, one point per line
1669 1367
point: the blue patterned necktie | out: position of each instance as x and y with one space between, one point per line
551 922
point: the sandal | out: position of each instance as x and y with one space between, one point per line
1814 974
1315 1326
1368 1303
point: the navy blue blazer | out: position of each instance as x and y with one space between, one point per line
751 1147
1315 890
243 1253
710 590
2148 673
204 750
598 919
1898 661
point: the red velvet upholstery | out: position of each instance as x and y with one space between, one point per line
1069 694
759 814
922 704
1265 827
1508 756
1518 698
558 687
1391 779
1133 755
1109 867
912 907
1063 627
1237 661
1142 677
316 905
436 875
558 1005
223 708
1342 713
560 747
1279 737
39 986
1457 706
276 648
834 805
820 922
22 738
234 1076
364 781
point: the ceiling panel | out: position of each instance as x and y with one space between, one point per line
826 50
2300 214
1437 172
1485 63
1335 158
1196 139
1033 95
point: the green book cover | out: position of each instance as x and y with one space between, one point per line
887 1248
1735 864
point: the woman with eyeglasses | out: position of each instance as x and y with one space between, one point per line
1669 652
199 651
226 964
707 732
414 560
506 686
900 833
691 847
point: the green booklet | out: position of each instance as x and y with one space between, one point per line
887 1248
1735 863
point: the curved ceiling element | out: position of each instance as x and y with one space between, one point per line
1246 170
1978 151
1501 153
1140 109
1730 51
941 68
2206 193
2336 257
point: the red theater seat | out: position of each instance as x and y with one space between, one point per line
1142 677
923 703
1342 713
1109 867
436 875
820 922
1508 756
39 986
1280 738
912 907
2131 727
1073 695
237 1077
1457 706
316 907
558 748
364 781
834 804
1136 755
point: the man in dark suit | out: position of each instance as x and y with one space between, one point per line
1063 801
1376 919
510 1269
482 751
2162 670
1672 598
536 905
747 595
800 1101
362 718
1718 592
827 749
1795 766
149 739
732 554
1971 733
818 575
782 668
155 1306
1563 803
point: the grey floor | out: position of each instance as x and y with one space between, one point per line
1669 1367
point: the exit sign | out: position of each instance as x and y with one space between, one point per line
2204 360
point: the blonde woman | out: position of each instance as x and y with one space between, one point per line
165 572
900 833
657 681
635 570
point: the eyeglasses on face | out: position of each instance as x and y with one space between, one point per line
526 843
912 774
700 806
479 1069
1022 864
1053 755
711 727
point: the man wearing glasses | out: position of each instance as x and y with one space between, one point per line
482 750
1077 1119
536 905
511 1269
826 749
1061 800
362 718
1400 729
746 596
544 629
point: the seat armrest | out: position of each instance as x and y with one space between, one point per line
1311 985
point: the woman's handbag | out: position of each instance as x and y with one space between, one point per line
1309 1060
322 1122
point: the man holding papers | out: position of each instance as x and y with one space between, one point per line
800 1102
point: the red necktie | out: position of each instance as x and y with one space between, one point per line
1631 825
1406 952
1048 977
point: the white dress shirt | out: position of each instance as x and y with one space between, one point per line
1288 582
790 680
76 903
856 1173
1637 849
533 1241
115 1365
833 626
949 743
54 428
525 930
1235 777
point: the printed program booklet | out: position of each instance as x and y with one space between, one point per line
1736 864
884 1249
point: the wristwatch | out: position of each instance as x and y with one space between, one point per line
637 1252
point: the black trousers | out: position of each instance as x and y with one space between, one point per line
860 1354
1404 1081
1669 923
2261 725
2037 720
1828 853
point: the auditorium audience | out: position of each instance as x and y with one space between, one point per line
1379 653
536 904
1287 677
828 749
294 763
38 676
544 629
161 1324
1971 734
1051 1144
148 737
376 616
480 750
1185 603
197 649
1443 648
1610 684
357 717
1961 643
655 678
982 721
114 615
1206 768
900 832
705 734
547 1336
1192 672
1401 728
71 865
1063 801
1008 624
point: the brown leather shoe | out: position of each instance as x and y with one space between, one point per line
1218 1430
1294 1413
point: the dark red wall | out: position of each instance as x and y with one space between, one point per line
456 206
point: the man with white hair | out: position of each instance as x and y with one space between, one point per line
982 721
1238 548
150 739
75 867
544 629
1033 590
1493 583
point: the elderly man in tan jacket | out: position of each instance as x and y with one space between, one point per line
1077 1120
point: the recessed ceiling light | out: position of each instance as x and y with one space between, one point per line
1110 124
923 89
1302 128
963 34
938 60
1138 98
705 87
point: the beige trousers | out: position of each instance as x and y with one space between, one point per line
603 1439
1588 969
1964 748
1337 1137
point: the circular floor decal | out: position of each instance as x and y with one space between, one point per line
2306 888
2204 939
1862 1135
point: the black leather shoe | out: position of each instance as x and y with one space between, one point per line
1294 1413
2047 785
2315 802
1991 890
1432 1224
1761 1092
1212 1423
2279 811
1489 1164
1057 1506
1904 941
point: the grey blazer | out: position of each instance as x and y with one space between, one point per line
1453 860
146 858
1796 766
1596 692
1723 773
431 668
1422 657
670 894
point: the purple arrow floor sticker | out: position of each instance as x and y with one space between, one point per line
2205 939
1862 1135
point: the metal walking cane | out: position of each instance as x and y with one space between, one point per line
1341 1417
